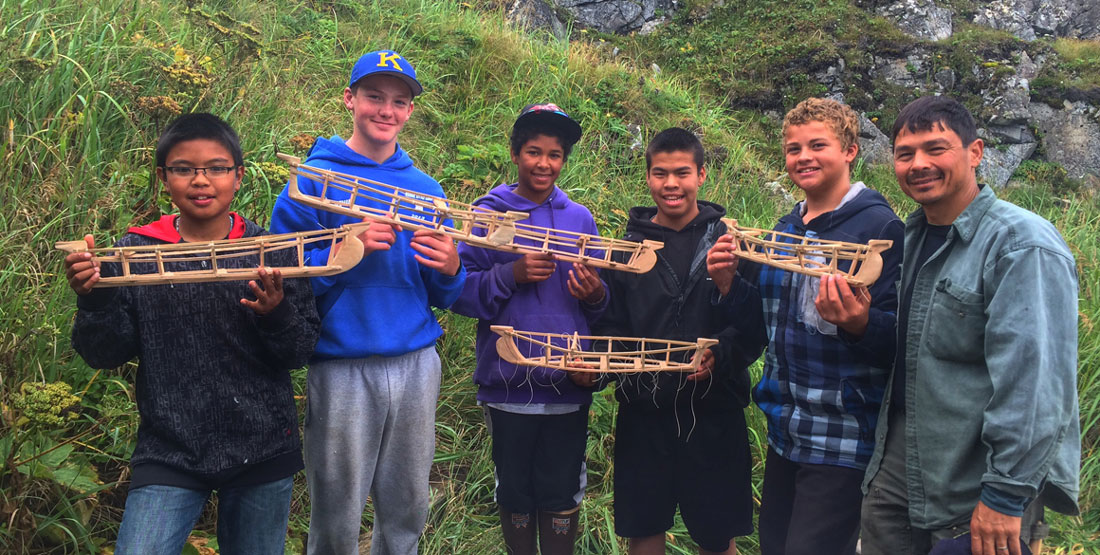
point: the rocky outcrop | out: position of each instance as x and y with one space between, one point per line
874 145
1006 112
1032 19
1026 19
536 14
921 19
616 16
1000 161
1071 138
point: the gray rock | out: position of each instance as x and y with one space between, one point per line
874 145
832 77
999 163
898 72
636 141
775 189
945 78
616 16
1013 134
536 14
651 25
1026 68
1011 104
1031 19
1071 137
921 19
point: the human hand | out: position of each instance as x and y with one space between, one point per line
378 236
436 251
269 295
722 263
82 269
531 268
706 366
838 304
585 284
580 378
993 533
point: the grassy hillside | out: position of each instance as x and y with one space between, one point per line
87 85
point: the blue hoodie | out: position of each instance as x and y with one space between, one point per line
493 297
382 306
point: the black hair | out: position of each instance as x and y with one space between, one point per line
524 133
925 112
200 125
675 139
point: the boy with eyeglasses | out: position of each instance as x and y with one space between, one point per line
374 381
213 384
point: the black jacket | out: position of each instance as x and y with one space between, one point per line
658 305
213 382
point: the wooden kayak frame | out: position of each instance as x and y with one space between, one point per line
346 251
652 355
809 255
472 225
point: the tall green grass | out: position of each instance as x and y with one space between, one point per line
87 86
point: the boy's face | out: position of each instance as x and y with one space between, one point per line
202 197
935 169
539 161
379 108
674 181
816 161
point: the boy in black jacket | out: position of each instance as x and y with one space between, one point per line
213 387
681 439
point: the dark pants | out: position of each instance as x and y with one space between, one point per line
810 509
885 527
539 459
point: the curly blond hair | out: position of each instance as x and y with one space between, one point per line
838 116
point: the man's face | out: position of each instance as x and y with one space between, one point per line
380 106
674 181
935 169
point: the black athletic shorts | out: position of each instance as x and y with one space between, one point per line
539 459
701 463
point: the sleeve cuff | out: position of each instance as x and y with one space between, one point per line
97 299
1004 503
278 317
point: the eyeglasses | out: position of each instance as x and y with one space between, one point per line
188 171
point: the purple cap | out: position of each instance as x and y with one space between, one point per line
385 62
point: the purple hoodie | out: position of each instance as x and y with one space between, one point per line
492 295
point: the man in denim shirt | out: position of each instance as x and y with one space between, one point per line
981 417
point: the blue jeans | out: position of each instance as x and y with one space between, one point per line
251 519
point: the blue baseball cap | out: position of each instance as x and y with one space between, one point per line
548 115
385 62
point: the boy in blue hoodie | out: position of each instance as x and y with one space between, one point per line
825 368
374 379
537 417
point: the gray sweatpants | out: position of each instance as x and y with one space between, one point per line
370 429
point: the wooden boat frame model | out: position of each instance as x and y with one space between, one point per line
495 230
810 256
651 355
214 253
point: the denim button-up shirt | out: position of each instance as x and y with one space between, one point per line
991 359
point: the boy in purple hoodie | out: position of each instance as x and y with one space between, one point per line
537 417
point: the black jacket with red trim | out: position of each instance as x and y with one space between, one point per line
213 383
